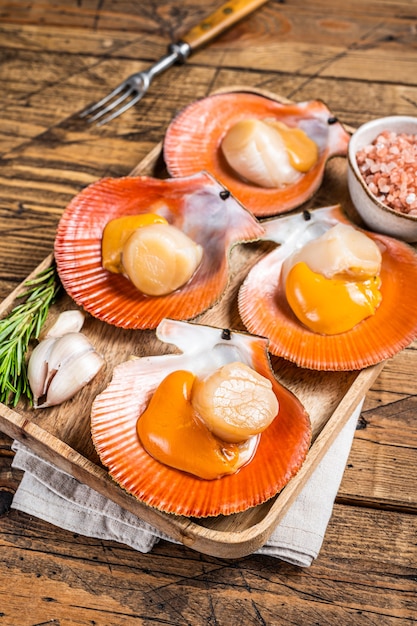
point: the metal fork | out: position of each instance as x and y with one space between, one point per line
131 90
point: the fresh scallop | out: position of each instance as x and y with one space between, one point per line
160 258
333 282
208 425
235 402
153 438
271 154
271 300
157 257
258 154
117 232
173 431
203 220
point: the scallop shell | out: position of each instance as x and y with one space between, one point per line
192 143
264 309
198 205
280 453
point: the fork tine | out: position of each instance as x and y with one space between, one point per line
114 104
122 109
103 101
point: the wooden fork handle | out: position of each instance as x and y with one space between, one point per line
224 17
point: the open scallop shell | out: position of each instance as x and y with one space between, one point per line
280 453
193 139
264 309
198 205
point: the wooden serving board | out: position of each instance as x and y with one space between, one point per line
61 434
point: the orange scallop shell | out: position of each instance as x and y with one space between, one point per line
280 453
193 139
196 204
264 309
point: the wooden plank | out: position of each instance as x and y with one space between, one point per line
86 581
366 570
305 41
388 436
129 16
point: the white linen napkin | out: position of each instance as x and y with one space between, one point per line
56 497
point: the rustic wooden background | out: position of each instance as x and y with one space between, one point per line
55 58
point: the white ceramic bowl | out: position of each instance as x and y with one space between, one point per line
376 215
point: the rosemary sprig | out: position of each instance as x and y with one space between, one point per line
18 328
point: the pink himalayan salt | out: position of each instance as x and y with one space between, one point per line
389 168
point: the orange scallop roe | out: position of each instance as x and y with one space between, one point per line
171 432
117 232
389 168
330 305
157 257
208 427
303 152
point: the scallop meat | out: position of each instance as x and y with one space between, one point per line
270 154
145 437
331 296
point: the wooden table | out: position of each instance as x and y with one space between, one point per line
360 58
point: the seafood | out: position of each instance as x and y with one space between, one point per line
265 311
157 257
175 431
281 449
268 154
117 232
333 282
196 138
235 402
198 206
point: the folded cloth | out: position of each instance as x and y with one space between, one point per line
56 497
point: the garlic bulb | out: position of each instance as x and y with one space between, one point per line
61 364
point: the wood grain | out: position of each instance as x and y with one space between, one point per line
87 581
62 434
55 59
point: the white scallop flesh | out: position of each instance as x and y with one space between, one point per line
342 251
235 402
256 151
160 258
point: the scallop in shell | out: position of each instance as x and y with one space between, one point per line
197 205
282 446
265 311
193 142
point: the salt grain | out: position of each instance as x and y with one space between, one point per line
389 168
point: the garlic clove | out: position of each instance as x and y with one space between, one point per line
66 348
67 322
74 376
59 366
37 370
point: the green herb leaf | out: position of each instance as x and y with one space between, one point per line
19 328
